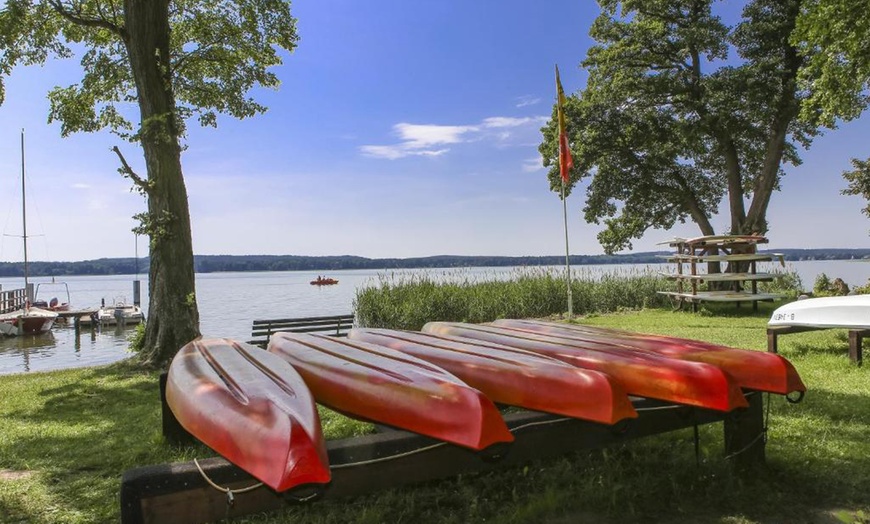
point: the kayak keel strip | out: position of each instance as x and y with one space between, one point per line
382 385
251 407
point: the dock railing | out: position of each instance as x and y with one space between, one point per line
12 300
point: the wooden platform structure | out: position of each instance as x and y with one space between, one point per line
856 339
176 493
741 277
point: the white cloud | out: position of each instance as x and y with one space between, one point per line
430 139
398 151
533 165
506 121
527 100
81 186
420 136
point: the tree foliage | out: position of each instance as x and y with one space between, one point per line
836 34
681 114
147 67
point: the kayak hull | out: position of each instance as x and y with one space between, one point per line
251 407
756 370
381 385
640 373
849 312
513 376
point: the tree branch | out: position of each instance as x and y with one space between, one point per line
126 170
78 18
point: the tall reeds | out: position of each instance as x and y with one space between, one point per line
407 300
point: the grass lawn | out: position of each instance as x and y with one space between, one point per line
66 437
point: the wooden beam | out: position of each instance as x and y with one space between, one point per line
170 493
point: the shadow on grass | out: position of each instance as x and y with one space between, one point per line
84 434
655 479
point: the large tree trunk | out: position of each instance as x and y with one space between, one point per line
173 318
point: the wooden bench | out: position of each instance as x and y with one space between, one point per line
856 338
335 325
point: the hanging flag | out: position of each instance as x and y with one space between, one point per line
565 160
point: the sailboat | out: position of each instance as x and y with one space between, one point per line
28 320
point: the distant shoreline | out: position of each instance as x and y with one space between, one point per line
242 263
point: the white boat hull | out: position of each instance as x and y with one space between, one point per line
851 312
27 321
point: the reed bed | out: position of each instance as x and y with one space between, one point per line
409 300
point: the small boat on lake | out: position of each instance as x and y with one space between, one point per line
54 303
27 321
323 281
119 313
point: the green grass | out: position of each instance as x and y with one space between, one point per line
73 433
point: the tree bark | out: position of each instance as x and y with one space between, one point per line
173 317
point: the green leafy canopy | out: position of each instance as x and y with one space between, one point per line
682 114
220 50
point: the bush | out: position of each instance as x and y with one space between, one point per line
786 283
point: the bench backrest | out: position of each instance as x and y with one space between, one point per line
335 325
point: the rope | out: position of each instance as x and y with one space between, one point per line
751 443
228 491
391 457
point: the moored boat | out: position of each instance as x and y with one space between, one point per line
27 321
756 370
379 384
640 373
513 376
252 407
120 312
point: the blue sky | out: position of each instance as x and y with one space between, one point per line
401 129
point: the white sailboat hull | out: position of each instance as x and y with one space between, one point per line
850 312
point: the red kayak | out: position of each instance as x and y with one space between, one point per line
641 373
385 386
251 407
756 370
513 376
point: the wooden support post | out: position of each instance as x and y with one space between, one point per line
771 341
856 339
745 434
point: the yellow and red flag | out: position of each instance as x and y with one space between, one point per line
565 160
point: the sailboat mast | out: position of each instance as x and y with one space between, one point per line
24 211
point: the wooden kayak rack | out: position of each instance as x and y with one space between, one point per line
178 492
856 339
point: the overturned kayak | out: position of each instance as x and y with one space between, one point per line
251 407
382 385
756 370
849 312
641 373
514 376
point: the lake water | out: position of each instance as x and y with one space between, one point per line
228 302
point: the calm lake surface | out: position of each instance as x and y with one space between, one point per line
228 302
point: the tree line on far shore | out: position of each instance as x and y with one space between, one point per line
229 263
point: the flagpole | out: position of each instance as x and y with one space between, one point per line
567 260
